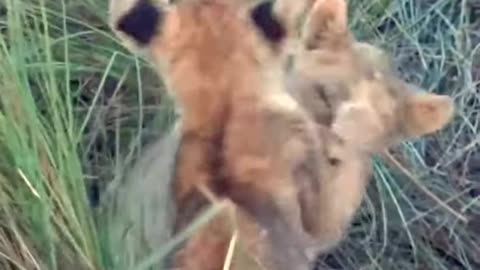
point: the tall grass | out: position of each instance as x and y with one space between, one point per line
76 110
61 78
44 211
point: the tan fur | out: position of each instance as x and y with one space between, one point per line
350 87
228 80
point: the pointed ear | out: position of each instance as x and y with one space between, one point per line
136 22
426 113
373 56
327 19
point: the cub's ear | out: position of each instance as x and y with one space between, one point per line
373 56
136 22
426 113
328 19
292 14
267 22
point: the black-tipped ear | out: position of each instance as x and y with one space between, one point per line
266 21
141 22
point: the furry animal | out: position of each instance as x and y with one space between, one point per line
223 61
350 88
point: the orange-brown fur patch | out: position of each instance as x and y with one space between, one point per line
224 75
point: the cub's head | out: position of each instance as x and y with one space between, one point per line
371 107
218 28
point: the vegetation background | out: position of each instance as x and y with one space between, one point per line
76 109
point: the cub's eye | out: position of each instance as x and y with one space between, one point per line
263 17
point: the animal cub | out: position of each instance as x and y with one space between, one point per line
350 89
223 60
